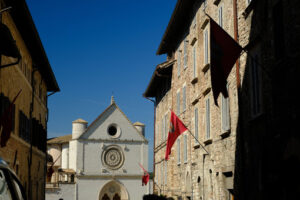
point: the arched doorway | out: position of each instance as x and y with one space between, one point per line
113 190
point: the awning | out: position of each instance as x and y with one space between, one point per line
8 45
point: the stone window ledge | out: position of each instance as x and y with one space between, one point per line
194 80
205 22
225 134
208 141
206 91
205 68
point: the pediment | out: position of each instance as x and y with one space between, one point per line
112 124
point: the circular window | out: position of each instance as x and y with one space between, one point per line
113 157
113 130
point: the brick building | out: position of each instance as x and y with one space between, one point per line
25 150
240 134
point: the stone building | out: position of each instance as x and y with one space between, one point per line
99 161
30 72
268 143
248 143
182 84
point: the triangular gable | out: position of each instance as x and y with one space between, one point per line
97 130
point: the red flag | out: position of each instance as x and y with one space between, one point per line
224 52
176 128
145 177
6 122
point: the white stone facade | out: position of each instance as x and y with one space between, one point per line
105 158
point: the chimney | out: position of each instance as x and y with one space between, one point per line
78 127
140 127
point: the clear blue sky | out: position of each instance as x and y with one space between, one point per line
98 48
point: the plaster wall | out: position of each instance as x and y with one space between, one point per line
134 153
65 156
65 191
55 152
91 187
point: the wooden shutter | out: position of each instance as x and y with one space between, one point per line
205 47
207 119
178 62
185 149
178 150
184 98
185 53
178 103
196 125
194 60
221 16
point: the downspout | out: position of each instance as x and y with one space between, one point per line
236 38
154 125
31 132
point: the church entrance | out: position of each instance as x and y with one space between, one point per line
116 197
113 190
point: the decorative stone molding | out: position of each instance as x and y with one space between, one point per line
113 157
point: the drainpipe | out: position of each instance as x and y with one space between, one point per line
236 38
154 103
31 132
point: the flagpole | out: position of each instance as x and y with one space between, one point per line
197 141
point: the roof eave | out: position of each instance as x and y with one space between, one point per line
173 30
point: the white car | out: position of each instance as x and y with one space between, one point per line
10 186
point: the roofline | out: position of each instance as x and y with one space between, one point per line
162 42
181 17
117 107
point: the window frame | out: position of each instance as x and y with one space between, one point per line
178 151
207 119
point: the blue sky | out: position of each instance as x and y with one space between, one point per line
100 48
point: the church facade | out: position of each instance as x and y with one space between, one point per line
100 161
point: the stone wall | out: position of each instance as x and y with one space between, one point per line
202 176
12 80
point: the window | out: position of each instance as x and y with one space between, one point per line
220 16
225 115
255 85
161 173
184 98
156 134
206 47
24 127
207 109
178 151
156 174
196 125
185 149
166 172
194 61
166 126
113 130
185 53
178 103
163 129
178 62
162 132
